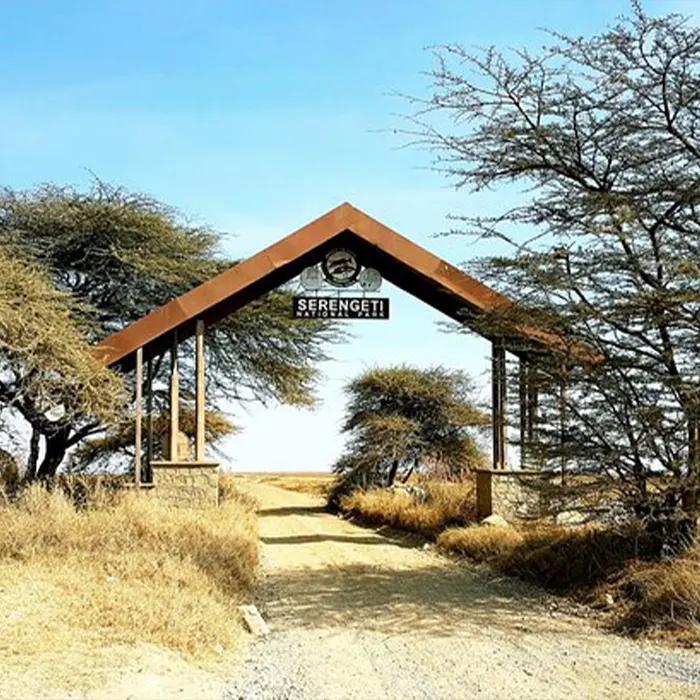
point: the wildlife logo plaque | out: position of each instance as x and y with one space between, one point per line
340 269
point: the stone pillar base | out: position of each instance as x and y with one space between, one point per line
510 493
187 484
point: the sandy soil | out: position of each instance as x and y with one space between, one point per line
122 672
355 614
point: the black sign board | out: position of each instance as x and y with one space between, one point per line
341 307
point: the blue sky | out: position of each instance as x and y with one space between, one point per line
256 117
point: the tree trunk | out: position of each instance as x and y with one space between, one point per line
392 472
690 492
407 475
33 458
673 522
56 447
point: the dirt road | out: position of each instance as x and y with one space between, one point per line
354 614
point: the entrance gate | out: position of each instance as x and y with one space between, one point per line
401 262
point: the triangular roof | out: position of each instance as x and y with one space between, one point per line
405 264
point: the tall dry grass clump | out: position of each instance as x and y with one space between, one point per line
482 544
447 503
557 557
126 569
230 493
662 596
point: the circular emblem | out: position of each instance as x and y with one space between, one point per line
340 267
370 279
311 278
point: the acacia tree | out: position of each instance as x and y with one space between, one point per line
121 254
604 133
403 419
45 361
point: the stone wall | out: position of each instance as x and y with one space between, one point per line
512 494
525 494
187 484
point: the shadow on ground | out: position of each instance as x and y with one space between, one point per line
292 510
433 600
371 538
383 581
351 539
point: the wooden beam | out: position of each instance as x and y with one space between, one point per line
498 404
149 416
139 408
199 407
174 400
533 411
504 408
495 403
563 424
413 268
524 395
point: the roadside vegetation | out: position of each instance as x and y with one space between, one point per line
119 570
611 569
614 570
447 503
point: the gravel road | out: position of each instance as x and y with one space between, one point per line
354 614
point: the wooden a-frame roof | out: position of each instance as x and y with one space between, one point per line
405 264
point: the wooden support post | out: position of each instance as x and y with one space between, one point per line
534 461
149 417
563 422
498 404
199 408
503 374
524 395
533 404
495 407
139 408
174 400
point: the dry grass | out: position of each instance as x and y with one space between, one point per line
661 596
557 557
448 503
480 543
230 493
125 569
595 564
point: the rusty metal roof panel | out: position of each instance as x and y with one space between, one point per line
422 260
221 291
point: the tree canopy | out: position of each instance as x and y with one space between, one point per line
45 361
403 419
602 133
